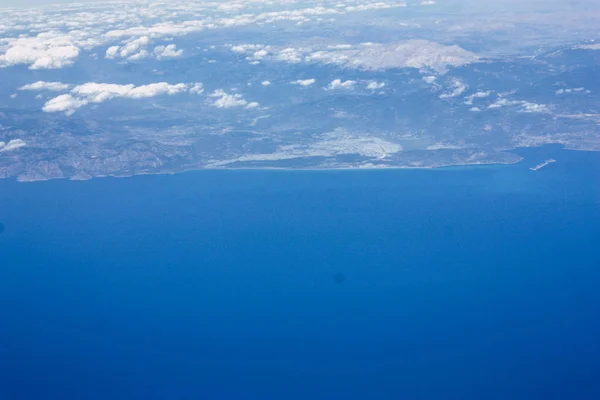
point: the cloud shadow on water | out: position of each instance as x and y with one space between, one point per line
339 278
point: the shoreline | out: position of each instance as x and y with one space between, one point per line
366 167
283 169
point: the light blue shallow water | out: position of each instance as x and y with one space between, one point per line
469 283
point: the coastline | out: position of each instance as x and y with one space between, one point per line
523 154
272 168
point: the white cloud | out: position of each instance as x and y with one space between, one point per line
243 48
340 46
260 54
478 95
41 85
375 85
443 146
374 6
112 52
222 99
289 55
197 88
136 49
503 103
427 2
265 83
169 51
133 46
429 79
12 145
410 54
92 92
339 84
534 108
99 92
14 95
458 88
45 51
140 55
303 82
227 17
572 90
526 106
64 102
67 30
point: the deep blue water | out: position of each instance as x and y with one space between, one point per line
460 283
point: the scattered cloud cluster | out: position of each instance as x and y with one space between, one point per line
221 99
421 54
534 108
92 92
525 106
235 19
46 40
136 49
458 88
572 90
133 50
55 37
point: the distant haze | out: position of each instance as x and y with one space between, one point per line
35 3
494 5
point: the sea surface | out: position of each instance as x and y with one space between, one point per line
457 283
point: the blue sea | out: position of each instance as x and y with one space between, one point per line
457 283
